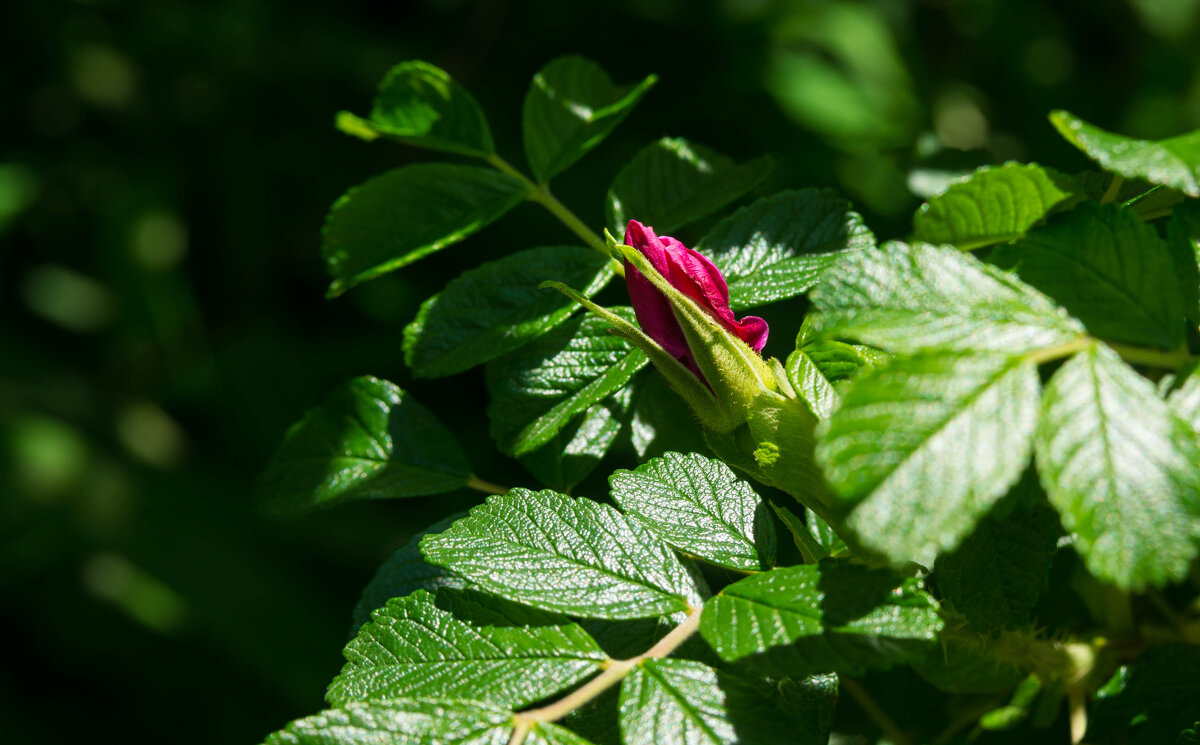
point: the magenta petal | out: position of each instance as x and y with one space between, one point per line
694 275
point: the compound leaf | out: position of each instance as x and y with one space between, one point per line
569 555
1108 269
822 617
779 247
911 298
1173 162
572 105
700 507
419 104
413 648
369 440
405 214
922 448
995 204
538 391
673 182
497 307
1121 469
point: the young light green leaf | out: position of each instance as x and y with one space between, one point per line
540 390
405 214
818 369
401 722
1184 401
497 307
577 449
673 182
778 247
825 617
700 507
569 555
1121 469
683 702
998 573
1108 269
995 204
923 448
1173 162
419 104
369 440
404 572
413 648
571 106
913 298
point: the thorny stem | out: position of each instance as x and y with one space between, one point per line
486 487
540 193
873 710
613 674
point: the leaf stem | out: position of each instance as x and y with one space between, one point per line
1151 357
1059 351
1114 188
1171 360
610 676
486 487
873 710
540 193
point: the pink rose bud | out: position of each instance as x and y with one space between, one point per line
696 277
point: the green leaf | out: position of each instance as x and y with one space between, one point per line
673 182
497 307
682 702
1184 401
826 617
924 447
969 665
998 573
662 421
700 507
418 104
780 246
1173 162
995 204
1183 239
413 648
404 572
416 722
1108 269
578 448
571 106
404 722
1121 469
912 298
818 369
405 214
574 556
369 440
540 390
1155 700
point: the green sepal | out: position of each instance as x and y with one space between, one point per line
699 398
735 372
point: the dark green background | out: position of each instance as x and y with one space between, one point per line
164 170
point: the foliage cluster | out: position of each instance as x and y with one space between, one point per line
1000 493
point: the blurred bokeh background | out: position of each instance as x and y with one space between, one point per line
165 166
